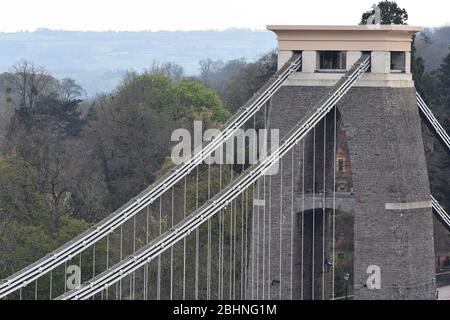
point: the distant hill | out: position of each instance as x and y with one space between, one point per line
97 60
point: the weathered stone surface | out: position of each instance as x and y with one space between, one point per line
388 166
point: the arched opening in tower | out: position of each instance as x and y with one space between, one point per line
324 250
324 158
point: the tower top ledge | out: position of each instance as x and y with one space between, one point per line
345 37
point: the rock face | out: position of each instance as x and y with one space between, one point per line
393 222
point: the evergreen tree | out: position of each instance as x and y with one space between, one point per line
391 13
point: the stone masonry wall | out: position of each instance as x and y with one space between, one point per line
388 166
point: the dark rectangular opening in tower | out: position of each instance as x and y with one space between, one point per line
331 61
370 54
398 62
341 165
300 69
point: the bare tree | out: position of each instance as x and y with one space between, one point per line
69 90
30 82
169 69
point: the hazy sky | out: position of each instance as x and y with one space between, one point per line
199 14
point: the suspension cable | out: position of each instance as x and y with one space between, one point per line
280 220
303 220
313 212
334 203
292 219
154 191
231 192
432 122
324 204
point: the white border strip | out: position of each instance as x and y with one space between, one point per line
259 202
408 205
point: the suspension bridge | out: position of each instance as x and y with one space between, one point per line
344 102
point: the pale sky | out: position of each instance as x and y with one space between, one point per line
132 15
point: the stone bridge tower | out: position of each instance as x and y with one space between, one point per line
380 171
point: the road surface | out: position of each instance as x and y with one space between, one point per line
444 293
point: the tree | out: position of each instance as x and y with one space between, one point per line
208 68
235 81
62 171
27 230
241 86
172 70
215 74
436 91
69 90
45 138
127 137
430 87
29 81
417 68
444 77
127 145
391 13
196 99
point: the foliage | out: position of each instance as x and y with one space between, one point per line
26 224
194 97
391 13
444 80
126 139
62 170
436 87
236 81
